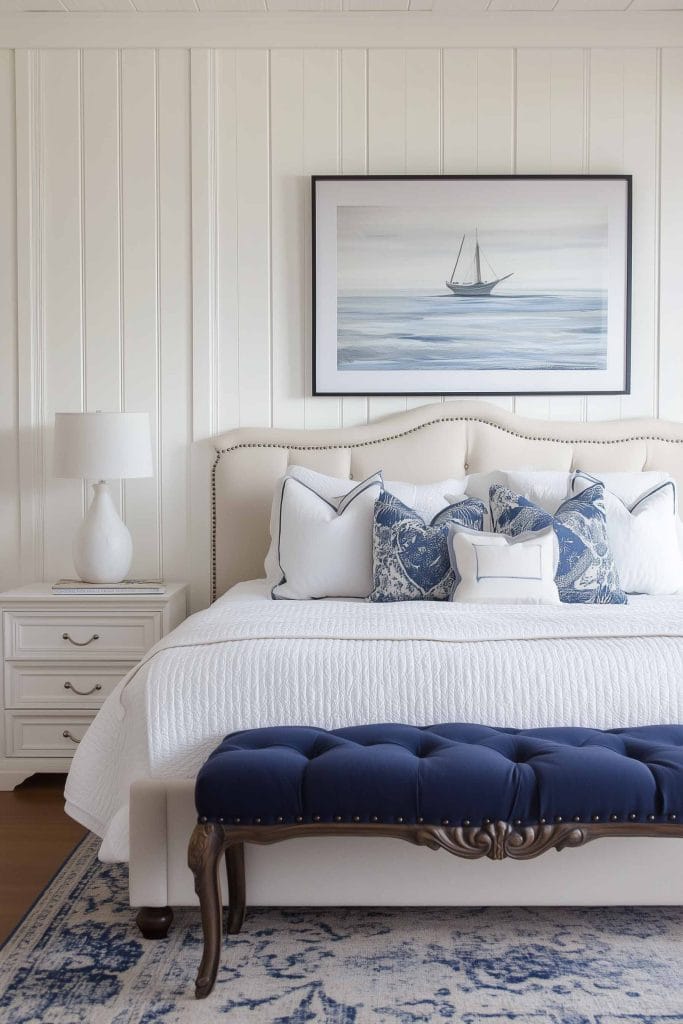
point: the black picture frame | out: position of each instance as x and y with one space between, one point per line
626 180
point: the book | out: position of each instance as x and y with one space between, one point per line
79 587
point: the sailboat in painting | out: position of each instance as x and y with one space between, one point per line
478 286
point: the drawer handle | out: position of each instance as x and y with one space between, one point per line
82 693
69 736
80 643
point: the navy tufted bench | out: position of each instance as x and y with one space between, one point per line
473 790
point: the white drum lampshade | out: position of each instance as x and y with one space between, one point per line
102 446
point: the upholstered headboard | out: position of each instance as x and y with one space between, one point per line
429 443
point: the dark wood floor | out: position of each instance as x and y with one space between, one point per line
35 837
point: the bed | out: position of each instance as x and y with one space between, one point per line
248 661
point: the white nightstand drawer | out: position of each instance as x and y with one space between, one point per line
60 685
80 635
45 733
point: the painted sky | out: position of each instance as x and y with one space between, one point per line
383 249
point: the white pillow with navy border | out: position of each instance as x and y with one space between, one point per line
426 499
492 568
325 547
642 529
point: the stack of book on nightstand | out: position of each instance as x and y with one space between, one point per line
102 589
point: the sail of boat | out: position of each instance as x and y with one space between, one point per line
478 286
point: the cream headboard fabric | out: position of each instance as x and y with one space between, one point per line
429 443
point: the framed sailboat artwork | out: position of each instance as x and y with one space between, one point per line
464 285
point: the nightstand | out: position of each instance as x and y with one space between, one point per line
62 655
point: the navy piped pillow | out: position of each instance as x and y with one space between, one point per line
586 573
410 557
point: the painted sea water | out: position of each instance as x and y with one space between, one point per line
509 330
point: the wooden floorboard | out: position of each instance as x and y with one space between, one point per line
36 836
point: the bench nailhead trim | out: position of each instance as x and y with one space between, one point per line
577 817
257 820
650 817
400 821
633 816
375 818
614 817
316 817
466 821
672 817
596 817
299 819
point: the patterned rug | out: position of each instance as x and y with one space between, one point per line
78 959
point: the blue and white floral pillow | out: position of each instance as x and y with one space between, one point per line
410 557
586 573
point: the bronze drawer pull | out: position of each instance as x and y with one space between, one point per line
82 693
68 736
80 643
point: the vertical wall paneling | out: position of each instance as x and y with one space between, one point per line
30 333
225 232
9 479
175 303
141 351
205 365
641 158
354 160
288 215
62 288
671 239
101 167
253 235
460 115
386 148
321 130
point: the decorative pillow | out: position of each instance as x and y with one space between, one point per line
586 573
410 558
426 499
545 487
325 548
643 536
494 569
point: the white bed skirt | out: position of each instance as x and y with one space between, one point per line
388 872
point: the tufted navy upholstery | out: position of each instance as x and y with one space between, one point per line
438 774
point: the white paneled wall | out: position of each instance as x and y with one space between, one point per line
158 254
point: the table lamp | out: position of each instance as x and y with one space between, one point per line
101 446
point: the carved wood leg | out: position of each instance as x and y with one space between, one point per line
154 922
203 857
234 863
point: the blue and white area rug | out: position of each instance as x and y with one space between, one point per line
78 959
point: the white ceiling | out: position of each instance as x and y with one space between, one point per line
443 6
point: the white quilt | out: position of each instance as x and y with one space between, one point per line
248 661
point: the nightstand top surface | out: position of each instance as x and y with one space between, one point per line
43 592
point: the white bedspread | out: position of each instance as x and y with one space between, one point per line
248 661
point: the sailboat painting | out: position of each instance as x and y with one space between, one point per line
513 285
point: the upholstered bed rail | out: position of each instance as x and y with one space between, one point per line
433 442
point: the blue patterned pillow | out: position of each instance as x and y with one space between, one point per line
586 573
410 558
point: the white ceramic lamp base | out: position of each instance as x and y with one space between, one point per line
103 547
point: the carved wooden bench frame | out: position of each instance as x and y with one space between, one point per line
496 840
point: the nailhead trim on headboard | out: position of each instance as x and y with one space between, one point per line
395 437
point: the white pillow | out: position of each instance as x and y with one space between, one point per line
643 531
426 499
492 568
547 488
325 548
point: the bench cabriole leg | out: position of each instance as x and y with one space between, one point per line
234 863
203 857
